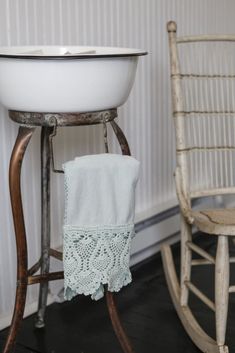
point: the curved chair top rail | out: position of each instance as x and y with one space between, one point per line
206 38
212 192
172 27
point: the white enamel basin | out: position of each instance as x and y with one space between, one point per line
66 79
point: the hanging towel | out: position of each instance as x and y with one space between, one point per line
98 223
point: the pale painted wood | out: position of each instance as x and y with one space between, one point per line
178 106
206 223
204 342
200 295
183 199
231 289
221 288
206 38
201 262
180 173
186 257
217 222
212 192
201 252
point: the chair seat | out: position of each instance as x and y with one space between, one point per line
215 221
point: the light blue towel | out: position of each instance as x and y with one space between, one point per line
98 223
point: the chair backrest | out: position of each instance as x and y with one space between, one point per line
203 100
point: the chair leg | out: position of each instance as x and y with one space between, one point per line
17 156
221 288
45 223
186 256
204 342
113 313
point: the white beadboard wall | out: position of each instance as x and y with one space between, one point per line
145 118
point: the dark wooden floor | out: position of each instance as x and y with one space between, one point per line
83 326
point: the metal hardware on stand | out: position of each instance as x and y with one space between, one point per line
51 136
105 131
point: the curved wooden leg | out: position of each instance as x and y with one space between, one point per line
45 223
117 326
221 288
17 156
204 342
186 256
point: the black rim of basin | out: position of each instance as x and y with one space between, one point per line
70 57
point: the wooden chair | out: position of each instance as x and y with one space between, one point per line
203 97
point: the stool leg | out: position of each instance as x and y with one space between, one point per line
17 156
45 223
113 313
118 329
121 138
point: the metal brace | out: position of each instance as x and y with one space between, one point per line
105 136
52 135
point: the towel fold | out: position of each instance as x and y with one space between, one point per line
98 223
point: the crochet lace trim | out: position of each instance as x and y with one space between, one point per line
95 256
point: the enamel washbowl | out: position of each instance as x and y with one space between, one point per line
66 79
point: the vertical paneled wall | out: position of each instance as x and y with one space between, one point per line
145 118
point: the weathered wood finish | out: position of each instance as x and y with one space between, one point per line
186 257
221 288
219 222
27 276
200 295
206 38
204 342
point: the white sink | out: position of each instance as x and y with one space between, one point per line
66 79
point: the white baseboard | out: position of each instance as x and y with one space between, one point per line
148 241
